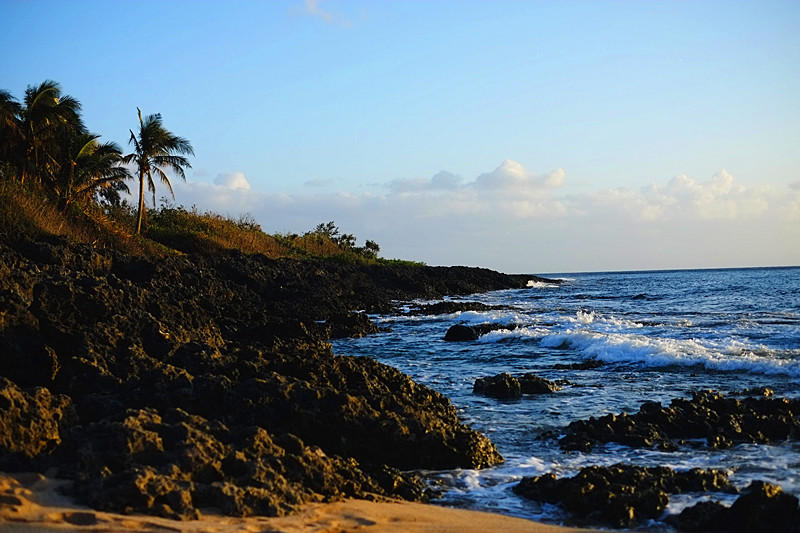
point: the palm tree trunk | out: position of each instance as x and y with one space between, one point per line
141 204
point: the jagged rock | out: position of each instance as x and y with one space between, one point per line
442 308
31 421
533 280
619 495
350 325
196 381
462 332
507 386
500 386
533 384
764 392
721 421
762 508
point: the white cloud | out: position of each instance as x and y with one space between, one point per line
313 8
518 221
233 180
442 180
511 175
683 197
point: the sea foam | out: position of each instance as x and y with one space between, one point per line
660 352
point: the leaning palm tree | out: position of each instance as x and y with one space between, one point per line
155 149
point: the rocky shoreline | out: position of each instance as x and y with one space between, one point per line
184 384
165 386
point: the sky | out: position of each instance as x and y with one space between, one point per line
524 136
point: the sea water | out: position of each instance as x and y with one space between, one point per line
661 336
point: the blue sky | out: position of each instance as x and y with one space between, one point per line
523 136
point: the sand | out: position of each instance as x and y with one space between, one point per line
31 502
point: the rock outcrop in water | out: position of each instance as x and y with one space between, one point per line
447 307
507 386
161 386
619 495
463 332
708 415
762 508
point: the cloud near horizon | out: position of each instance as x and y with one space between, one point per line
233 180
516 220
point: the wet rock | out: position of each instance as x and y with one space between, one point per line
591 364
462 332
445 308
619 495
533 384
533 280
764 392
702 516
762 508
500 386
507 386
708 415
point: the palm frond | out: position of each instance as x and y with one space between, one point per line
165 181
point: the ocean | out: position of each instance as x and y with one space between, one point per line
661 335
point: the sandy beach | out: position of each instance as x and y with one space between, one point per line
31 502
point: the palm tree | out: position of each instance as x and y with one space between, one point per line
89 167
155 149
45 115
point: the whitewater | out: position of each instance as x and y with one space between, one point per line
652 336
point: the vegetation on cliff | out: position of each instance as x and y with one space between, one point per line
58 178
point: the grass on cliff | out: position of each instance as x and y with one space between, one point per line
26 211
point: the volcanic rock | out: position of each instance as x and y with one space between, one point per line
31 421
507 386
762 508
619 495
708 415
447 307
591 364
500 386
164 385
462 332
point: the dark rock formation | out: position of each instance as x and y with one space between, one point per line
619 495
31 422
721 421
539 279
533 384
591 364
507 386
166 385
442 308
349 324
500 386
764 392
762 508
462 332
